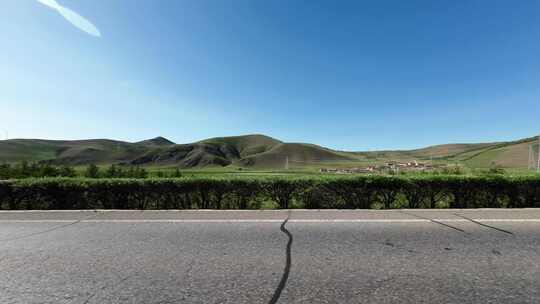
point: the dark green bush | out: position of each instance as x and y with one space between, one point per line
363 192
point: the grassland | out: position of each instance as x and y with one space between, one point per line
256 154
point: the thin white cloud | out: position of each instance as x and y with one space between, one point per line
49 3
77 20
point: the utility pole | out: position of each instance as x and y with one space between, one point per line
286 162
530 163
538 157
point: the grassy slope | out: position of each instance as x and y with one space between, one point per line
299 155
220 151
508 155
77 152
437 152
513 154
188 155
156 142
29 150
246 145
253 151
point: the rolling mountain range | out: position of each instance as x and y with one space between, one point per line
257 151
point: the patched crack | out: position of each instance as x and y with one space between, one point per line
24 236
435 221
482 224
288 262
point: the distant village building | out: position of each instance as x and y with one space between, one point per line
390 165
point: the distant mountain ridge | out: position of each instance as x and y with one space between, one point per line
255 150
156 141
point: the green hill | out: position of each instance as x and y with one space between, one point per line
189 155
74 152
513 154
257 151
219 151
246 145
297 155
157 142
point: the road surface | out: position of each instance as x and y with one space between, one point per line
407 256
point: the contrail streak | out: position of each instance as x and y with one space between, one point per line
77 20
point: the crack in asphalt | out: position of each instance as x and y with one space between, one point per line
24 236
435 221
286 271
482 224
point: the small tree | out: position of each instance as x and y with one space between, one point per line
5 171
92 171
131 172
112 171
47 170
496 169
141 172
24 169
67 171
177 173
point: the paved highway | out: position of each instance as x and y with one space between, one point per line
408 256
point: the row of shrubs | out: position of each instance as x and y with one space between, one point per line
47 169
363 192
35 169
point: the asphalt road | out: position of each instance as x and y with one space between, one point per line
408 256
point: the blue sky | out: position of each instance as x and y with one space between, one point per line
350 75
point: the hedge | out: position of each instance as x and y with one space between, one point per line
364 192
